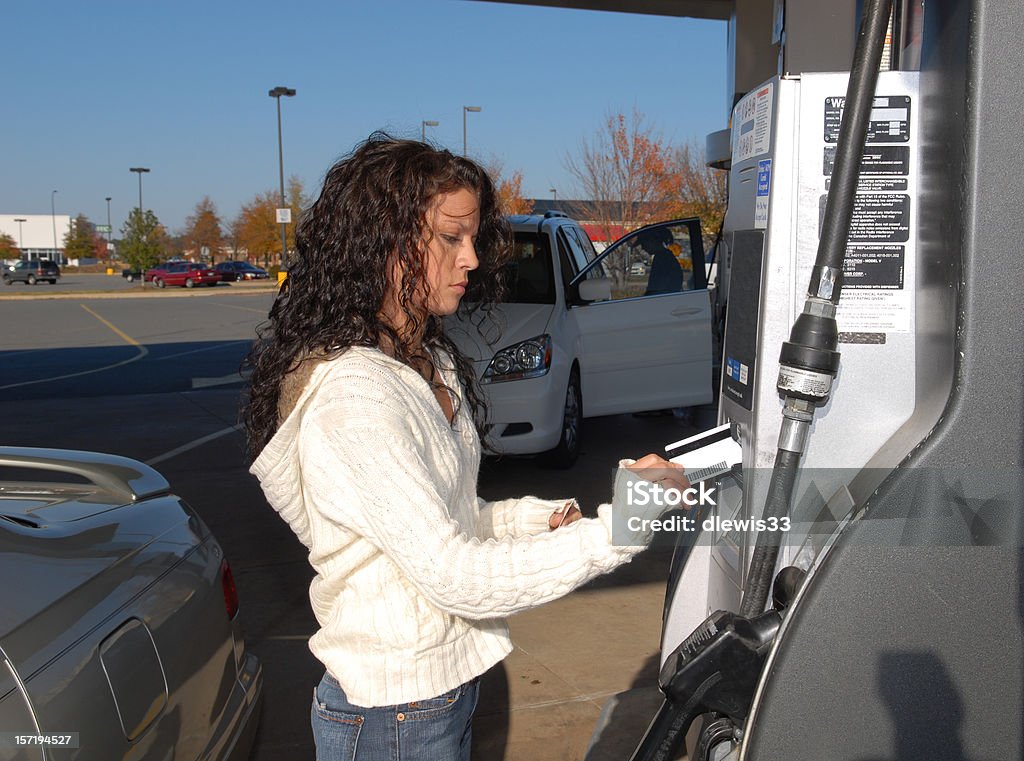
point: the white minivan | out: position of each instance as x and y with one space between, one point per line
581 335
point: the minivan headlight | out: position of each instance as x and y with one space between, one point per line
527 359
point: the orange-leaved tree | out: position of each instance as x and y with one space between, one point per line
255 229
509 190
621 172
297 201
697 190
203 230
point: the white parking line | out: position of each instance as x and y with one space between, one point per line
205 348
143 351
264 312
193 444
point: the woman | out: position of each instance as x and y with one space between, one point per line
364 423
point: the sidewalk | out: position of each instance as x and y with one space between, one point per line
543 702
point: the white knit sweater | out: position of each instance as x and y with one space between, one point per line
414 573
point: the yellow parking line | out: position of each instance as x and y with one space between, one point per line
113 327
143 351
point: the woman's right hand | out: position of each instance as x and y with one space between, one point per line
656 469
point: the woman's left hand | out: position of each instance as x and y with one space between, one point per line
569 513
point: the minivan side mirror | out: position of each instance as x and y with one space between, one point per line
595 289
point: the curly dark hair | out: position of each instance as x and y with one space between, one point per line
373 206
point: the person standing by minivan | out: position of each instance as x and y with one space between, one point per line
364 423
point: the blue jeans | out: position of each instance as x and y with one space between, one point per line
438 729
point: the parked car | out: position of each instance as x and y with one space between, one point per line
187 274
574 346
131 274
31 271
119 630
231 271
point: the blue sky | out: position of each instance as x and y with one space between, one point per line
94 88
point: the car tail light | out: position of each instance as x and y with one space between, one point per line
227 582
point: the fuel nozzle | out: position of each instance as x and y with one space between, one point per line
714 670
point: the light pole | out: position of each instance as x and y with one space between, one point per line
109 229
139 170
465 109
276 93
53 216
21 240
424 124
554 194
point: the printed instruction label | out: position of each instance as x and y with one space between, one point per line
875 299
876 159
752 124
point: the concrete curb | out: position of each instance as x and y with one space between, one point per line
150 293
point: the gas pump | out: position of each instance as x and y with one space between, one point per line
879 409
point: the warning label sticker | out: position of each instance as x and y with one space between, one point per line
882 217
877 184
875 299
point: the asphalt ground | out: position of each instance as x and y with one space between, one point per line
157 379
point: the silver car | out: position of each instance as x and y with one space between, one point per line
119 633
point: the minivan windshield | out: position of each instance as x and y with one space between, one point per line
529 277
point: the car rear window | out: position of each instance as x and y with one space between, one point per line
528 276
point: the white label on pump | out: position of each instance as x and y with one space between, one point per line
804 381
752 124
764 186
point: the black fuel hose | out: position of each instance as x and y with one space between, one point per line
811 348
766 549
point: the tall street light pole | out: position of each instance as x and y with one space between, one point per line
139 170
276 93
554 194
109 229
424 124
53 216
21 240
465 110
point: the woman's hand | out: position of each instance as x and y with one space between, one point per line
658 470
566 514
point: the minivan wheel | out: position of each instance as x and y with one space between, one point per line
189 282
31 280
129 277
159 282
568 448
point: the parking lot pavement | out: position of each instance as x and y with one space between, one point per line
540 704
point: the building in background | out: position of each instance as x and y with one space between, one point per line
35 236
